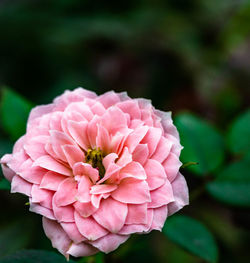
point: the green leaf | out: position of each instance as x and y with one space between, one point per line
192 236
15 235
202 143
37 256
14 111
4 184
232 185
239 134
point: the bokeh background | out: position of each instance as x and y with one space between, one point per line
184 55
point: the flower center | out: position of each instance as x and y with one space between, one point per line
95 157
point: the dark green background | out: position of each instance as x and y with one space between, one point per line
185 55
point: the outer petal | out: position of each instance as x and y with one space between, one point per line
85 209
137 214
139 228
42 196
152 138
81 250
38 209
156 175
89 228
51 181
132 192
57 235
172 165
111 215
72 232
162 150
18 185
161 196
180 190
110 242
160 216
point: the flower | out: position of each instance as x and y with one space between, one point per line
98 169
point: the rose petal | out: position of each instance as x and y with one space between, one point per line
89 228
180 191
82 250
111 215
57 235
132 191
51 164
137 214
66 192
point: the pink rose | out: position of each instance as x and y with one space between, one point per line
98 169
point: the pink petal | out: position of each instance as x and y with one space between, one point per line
70 116
160 216
92 131
141 153
51 181
162 196
156 175
98 109
81 250
63 213
137 214
180 190
114 120
172 165
57 235
109 160
167 123
8 173
18 185
152 139
139 228
42 196
50 163
38 111
132 191
87 170
85 209
58 140
103 139
55 121
162 150
134 170
72 232
66 192
108 99
125 158
78 131
17 160
96 199
35 147
111 215
81 108
131 107
83 194
41 210
89 228
110 242
33 175
102 188
73 154
136 137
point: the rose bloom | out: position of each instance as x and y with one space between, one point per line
98 169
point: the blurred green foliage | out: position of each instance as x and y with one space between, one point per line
190 57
